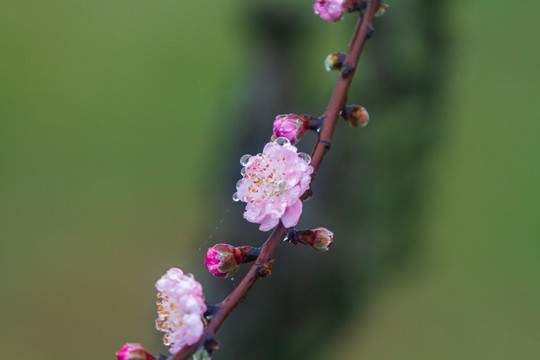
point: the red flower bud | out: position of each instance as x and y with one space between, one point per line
224 259
133 351
290 126
220 260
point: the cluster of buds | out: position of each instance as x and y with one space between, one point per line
224 259
356 115
319 238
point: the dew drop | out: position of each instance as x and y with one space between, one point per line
304 157
243 171
282 185
232 279
283 141
235 197
244 159
238 184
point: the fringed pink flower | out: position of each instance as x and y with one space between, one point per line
329 10
180 309
272 184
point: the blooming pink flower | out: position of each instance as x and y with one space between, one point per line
290 126
272 184
133 351
221 261
180 309
329 10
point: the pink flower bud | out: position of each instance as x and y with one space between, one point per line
133 351
221 261
290 126
329 10
319 238
356 115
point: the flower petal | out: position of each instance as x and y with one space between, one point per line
292 214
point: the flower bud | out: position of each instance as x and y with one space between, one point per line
133 351
290 126
319 238
220 260
224 259
356 115
329 10
334 61
381 9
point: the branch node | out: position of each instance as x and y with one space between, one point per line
263 270
347 70
211 310
307 195
315 124
210 345
370 31
327 144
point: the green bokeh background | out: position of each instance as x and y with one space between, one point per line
118 121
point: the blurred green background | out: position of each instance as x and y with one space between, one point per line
121 126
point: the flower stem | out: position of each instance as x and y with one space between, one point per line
363 31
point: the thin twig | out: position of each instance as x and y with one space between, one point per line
271 245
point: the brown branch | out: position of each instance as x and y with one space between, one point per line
271 245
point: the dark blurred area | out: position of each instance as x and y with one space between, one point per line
121 126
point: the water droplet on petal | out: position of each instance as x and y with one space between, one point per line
282 141
238 184
304 157
235 197
244 159
243 171
282 185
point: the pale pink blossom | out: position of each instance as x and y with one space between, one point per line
180 309
329 10
273 183
290 126
133 351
